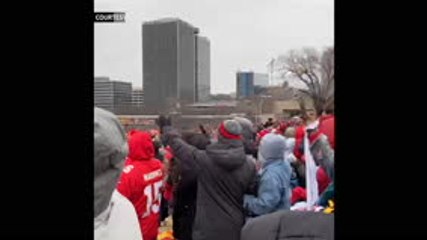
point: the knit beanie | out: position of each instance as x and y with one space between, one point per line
230 129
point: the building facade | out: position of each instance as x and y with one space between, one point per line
137 97
203 76
244 84
261 79
169 63
112 95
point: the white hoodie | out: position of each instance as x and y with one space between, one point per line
118 221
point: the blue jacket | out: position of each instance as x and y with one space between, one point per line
274 192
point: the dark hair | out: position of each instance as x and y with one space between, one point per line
268 124
329 111
199 140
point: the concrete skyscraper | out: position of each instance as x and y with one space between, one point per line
203 78
169 63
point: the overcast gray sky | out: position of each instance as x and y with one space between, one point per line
244 34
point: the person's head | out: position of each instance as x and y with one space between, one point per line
312 128
290 145
268 124
296 121
229 130
141 146
154 133
199 140
272 147
290 132
110 150
311 115
247 128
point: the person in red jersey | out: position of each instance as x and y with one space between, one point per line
327 127
141 182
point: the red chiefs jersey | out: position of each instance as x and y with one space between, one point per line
142 181
327 127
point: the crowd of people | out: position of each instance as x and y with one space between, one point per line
271 181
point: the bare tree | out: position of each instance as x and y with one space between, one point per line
316 71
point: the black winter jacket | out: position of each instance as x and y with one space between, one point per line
224 175
290 225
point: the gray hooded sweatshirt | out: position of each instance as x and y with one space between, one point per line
115 216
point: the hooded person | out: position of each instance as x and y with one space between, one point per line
319 156
322 143
327 127
141 182
224 175
260 159
320 148
274 192
115 217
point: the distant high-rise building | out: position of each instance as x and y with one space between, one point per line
245 84
103 93
112 95
137 97
203 78
169 63
261 79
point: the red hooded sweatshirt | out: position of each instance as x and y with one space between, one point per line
142 181
327 127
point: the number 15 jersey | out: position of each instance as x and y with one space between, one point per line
141 182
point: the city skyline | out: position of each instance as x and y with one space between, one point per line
242 34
